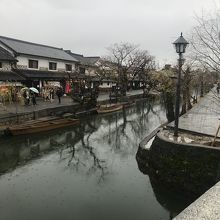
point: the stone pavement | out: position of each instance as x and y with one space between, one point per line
207 207
12 108
203 117
65 101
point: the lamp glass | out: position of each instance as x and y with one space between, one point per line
180 48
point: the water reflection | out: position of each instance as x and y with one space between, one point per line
173 200
69 164
121 131
79 153
178 174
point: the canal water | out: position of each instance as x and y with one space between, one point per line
84 172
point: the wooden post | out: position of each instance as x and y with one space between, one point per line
215 136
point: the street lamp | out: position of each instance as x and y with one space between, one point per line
180 46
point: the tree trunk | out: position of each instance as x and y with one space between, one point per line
169 104
202 88
188 97
183 111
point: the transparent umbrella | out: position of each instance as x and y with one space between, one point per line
34 90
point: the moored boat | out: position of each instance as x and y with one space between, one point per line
109 108
128 104
39 126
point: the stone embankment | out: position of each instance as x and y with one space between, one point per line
17 114
188 165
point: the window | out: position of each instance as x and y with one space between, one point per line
82 70
68 67
52 66
0 64
33 64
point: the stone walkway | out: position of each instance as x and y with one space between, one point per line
207 207
65 101
204 116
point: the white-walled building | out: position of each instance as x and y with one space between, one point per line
39 63
7 62
87 65
91 67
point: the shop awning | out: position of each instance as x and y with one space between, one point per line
43 75
76 76
10 76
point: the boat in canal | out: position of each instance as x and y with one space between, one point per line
128 104
103 109
41 125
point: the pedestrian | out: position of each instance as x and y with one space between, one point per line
51 94
218 87
33 98
26 97
44 93
47 95
59 94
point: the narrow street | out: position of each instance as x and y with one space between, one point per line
41 104
204 117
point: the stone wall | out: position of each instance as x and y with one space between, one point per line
191 169
12 118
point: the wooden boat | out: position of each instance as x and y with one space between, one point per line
86 112
39 126
109 108
128 104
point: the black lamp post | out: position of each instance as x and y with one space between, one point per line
180 45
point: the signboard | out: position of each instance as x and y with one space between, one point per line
53 84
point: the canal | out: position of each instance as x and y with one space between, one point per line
84 172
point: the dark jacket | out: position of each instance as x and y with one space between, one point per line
59 92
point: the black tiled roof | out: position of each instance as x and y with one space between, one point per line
28 48
91 60
5 55
84 60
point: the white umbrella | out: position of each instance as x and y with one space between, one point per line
34 90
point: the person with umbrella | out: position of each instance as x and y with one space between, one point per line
33 98
25 95
34 91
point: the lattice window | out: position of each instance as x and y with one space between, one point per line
33 64
52 66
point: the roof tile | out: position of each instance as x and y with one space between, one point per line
28 48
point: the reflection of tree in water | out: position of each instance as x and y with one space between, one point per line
125 129
145 108
81 147
121 131
80 154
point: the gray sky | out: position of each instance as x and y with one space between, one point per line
90 26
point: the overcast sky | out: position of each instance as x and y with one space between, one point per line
90 26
